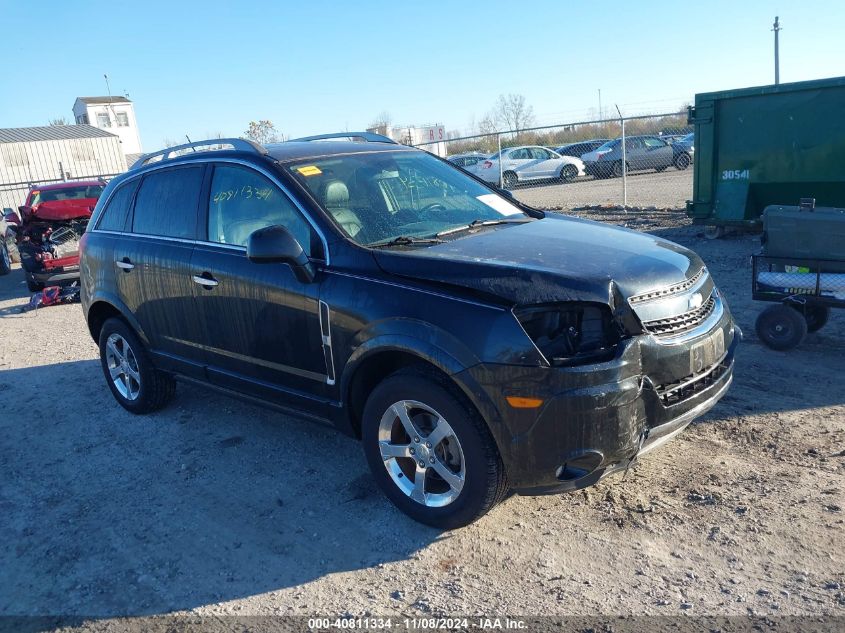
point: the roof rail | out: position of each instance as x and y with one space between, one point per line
211 144
370 137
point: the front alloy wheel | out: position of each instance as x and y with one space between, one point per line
429 449
421 453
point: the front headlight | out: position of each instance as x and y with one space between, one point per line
571 333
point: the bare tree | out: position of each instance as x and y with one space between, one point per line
169 142
512 113
58 121
380 124
487 124
263 132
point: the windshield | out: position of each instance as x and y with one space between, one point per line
376 197
80 192
608 145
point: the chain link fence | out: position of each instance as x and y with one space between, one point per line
628 162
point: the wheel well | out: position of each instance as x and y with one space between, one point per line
98 314
370 373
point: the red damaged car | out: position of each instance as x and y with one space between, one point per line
48 230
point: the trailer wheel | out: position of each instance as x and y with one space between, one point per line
781 327
816 316
714 232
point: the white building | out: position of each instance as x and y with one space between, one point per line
52 154
112 114
431 138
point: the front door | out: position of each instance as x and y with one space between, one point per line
261 325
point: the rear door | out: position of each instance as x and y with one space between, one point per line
152 265
260 324
519 161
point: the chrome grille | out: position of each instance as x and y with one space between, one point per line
681 322
686 284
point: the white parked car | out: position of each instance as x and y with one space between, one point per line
529 163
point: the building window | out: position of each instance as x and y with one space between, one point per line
103 119
122 119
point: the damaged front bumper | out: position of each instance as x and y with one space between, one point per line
597 419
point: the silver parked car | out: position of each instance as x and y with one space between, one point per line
529 163
641 152
467 160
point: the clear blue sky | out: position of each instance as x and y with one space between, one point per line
200 68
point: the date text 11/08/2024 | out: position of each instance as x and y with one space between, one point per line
417 624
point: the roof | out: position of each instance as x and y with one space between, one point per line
295 150
51 133
91 100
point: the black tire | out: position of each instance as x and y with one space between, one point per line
5 259
33 285
816 316
781 327
155 388
485 483
616 170
509 180
568 173
682 161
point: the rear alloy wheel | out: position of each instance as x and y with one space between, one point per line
430 451
509 180
133 380
781 327
616 170
682 161
568 173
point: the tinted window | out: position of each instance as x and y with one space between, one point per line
518 154
242 201
540 153
166 203
653 142
114 215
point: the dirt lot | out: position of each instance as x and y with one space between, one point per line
216 507
667 190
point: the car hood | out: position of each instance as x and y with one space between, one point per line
63 209
558 258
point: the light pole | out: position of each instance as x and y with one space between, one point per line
776 28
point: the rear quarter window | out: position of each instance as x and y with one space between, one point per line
167 202
117 209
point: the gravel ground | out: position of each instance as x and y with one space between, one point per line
216 507
667 190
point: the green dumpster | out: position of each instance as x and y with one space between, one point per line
756 147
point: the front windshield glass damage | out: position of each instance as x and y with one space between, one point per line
377 197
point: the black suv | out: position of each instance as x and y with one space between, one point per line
474 344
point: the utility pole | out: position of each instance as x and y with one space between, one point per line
600 113
777 28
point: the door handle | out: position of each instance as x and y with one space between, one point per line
125 264
205 280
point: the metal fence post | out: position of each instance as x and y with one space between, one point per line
624 170
501 174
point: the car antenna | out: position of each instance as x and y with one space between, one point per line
190 141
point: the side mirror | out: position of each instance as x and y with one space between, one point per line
275 244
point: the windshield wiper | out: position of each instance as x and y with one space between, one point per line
407 240
477 223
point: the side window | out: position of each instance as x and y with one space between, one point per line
519 154
114 215
540 153
242 201
653 142
167 202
